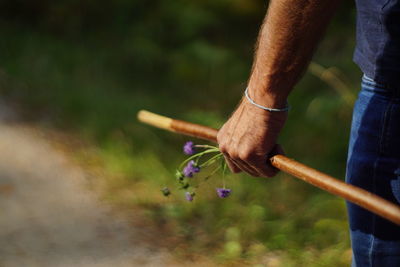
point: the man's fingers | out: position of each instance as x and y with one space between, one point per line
264 168
231 165
246 167
263 164
276 150
253 164
237 166
268 171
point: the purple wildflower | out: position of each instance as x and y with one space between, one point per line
189 196
223 192
190 169
188 148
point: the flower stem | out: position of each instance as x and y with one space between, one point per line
211 174
208 176
205 146
211 160
223 173
211 150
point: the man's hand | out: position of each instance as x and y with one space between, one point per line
248 139
286 43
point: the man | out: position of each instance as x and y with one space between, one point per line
287 40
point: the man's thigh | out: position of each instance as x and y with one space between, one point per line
374 164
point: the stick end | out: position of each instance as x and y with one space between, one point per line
154 119
142 114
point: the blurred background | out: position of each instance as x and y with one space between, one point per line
85 68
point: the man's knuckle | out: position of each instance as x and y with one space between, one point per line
233 154
245 155
223 148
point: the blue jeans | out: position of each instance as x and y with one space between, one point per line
374 164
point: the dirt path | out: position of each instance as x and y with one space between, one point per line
48 217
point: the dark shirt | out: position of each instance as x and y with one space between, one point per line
377 51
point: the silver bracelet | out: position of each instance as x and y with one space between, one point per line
265 108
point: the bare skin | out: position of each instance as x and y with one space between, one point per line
286 43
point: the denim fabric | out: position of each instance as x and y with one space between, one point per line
374 164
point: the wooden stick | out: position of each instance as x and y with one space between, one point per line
354 194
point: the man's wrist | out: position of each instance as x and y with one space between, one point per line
268 98
270 90
270 109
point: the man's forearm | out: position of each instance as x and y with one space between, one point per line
287 40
